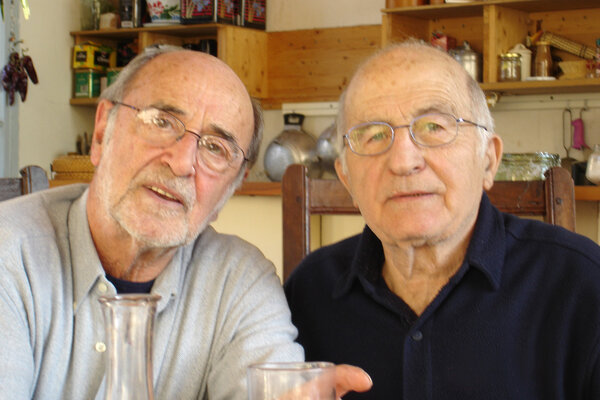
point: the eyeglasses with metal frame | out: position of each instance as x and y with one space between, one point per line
163 129
428 130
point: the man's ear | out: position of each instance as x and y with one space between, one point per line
493 157
339 170
102 111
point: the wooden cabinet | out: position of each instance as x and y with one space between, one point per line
243 49
493 27
276 67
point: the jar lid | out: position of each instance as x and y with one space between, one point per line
510 55
542 43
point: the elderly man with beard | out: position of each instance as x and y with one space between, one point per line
173 138
442 296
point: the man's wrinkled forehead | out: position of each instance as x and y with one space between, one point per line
403 70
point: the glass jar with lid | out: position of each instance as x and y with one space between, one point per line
509 67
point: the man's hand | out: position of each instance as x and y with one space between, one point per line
349 378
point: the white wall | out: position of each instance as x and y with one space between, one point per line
48 125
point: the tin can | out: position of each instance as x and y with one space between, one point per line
87 83
509 67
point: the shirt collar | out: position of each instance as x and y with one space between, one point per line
87 268
485 253
84 259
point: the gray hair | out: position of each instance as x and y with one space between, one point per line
119 88
474 95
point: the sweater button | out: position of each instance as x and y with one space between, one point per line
417 335
100 347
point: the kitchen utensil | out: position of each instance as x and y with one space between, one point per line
578 132
469 59
291 146
592 173
567 140
326 150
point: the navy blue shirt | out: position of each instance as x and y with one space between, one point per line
519 320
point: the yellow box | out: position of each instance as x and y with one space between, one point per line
94 56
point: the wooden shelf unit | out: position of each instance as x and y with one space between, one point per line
241 48
493 27
276 67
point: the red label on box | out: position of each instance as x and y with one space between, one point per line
255 12
202 10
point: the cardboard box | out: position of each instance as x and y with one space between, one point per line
255 13
221 11
93 56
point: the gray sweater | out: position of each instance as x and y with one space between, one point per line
222 308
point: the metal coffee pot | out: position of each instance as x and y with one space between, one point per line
470 60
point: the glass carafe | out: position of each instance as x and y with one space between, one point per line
129 322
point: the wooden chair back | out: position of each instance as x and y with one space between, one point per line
552 198
33 178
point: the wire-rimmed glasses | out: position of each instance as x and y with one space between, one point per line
428 130
163 129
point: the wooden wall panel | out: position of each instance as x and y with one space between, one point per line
245 51
316 64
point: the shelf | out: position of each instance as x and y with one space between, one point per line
259 189
475 8
587 193
175 30
504 88
85 102
247 189
544 87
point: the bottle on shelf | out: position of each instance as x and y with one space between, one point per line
543 59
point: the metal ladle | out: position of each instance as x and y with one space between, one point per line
568 161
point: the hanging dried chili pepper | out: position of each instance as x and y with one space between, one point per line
15 76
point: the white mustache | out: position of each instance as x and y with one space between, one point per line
162 176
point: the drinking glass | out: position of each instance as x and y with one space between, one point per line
291 381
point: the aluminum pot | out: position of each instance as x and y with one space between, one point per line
291 146
326 150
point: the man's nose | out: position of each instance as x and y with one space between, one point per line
182 156
404 156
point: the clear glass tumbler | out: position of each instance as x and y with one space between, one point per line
291 381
